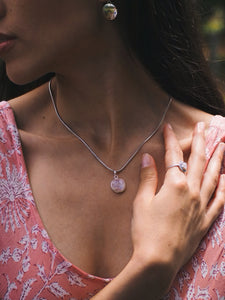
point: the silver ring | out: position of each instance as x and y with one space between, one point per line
181 165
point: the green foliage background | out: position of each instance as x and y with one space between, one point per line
212 14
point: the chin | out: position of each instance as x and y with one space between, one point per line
20 78
21 75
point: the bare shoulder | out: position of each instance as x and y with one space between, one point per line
183 118
189 112
188 115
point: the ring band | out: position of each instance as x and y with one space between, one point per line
181 165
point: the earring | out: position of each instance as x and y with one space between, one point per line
109 11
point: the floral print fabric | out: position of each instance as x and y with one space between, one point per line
32 268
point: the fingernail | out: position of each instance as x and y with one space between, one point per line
200 127
169 126
146 160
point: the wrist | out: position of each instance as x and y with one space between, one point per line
139 280
153 268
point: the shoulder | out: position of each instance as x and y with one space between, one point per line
183 119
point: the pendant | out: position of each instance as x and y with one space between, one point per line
118 185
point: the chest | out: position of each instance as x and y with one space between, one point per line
85 219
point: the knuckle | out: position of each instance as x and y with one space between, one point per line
201 156
215 180
218 158
206 174
204 229
220 206
147 175
195 195
180 183
197 206
137 203
175 151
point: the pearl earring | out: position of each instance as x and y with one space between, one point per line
109 11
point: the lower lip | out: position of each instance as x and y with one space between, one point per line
6 46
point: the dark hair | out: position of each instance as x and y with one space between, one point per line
164 36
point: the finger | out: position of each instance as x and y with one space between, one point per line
173 150
212 173
217 204
197 159
148 179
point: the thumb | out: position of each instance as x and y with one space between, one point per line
148 177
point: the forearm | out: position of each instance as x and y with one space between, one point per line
137 282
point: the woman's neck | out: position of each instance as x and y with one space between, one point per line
109 100
104 94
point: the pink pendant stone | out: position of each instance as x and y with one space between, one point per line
118 185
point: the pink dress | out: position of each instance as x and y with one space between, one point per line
32 268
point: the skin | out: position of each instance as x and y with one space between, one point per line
109 100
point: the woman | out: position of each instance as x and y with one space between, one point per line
91 213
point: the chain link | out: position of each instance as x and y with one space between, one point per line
92 151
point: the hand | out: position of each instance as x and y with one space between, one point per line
168 226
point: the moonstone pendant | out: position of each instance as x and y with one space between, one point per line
109 11
118 185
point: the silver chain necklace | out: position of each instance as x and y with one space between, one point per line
118 185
